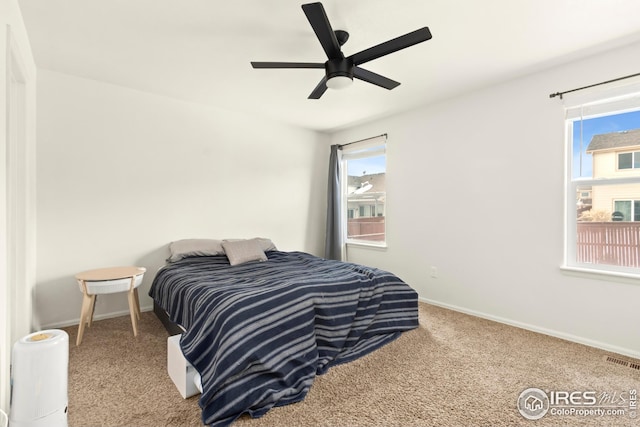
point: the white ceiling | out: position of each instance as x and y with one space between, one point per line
199 50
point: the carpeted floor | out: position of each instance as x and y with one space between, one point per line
455 370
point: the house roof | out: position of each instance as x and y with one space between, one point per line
613 140
377 181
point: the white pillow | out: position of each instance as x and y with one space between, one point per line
194 247
241 251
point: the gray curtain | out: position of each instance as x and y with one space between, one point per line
333 242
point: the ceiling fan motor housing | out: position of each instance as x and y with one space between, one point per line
339 67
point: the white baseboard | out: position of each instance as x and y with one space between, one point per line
74 322
534 328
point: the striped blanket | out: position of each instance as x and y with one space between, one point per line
258 333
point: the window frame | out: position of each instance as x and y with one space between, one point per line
608 102
372 147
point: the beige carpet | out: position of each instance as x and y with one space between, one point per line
455 370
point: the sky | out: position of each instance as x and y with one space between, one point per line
366 166
596 126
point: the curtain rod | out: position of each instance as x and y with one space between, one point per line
366 139
553 95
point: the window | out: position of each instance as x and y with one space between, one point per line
603 175
629 160
627 210
364 191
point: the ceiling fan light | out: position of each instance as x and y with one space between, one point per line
339 82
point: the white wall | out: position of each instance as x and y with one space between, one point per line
17 186
475 188
121 173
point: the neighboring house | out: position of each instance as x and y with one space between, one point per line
616 154
366 195
366 198
583 199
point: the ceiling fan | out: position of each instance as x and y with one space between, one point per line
340 70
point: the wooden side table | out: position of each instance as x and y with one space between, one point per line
108 281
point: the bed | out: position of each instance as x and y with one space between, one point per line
259 324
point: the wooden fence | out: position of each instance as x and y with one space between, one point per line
371 229
614 243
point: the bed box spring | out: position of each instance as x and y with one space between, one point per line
172 328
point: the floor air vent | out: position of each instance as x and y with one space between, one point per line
621 362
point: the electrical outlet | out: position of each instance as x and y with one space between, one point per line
434 272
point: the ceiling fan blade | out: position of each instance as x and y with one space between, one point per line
393 45
320 24
255 64
376 79
319 90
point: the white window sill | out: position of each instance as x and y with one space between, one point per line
600 273
377 246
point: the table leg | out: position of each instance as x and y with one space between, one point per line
132 307
92 309
135 291
84 314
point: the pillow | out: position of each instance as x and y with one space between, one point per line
241 251
265 244
194 247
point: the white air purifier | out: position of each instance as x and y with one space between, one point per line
39 375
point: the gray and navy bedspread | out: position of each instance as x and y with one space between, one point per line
258 333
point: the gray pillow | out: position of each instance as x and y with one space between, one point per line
194 247
241 251
266 244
